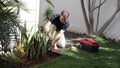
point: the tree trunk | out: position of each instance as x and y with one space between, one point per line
91 22
85 16
91 19
98 15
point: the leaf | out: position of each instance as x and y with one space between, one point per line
49 2
47 13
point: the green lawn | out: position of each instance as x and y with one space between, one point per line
107 57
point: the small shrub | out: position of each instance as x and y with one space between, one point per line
99 39
35 44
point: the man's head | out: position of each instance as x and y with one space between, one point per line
63 16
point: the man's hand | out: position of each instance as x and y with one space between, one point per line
57 37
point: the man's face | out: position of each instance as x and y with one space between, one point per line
63 18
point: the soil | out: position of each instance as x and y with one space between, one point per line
31 63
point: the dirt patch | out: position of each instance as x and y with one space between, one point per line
30 63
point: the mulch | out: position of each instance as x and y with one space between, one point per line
30 63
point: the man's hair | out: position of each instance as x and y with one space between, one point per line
64 12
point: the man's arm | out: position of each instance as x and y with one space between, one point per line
57 37
47 28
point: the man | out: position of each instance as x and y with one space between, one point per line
61 23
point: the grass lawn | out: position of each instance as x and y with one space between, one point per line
108 56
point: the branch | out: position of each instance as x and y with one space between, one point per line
85 15
118 4
49 2
98 15
99 5
89 6
93 4
109 21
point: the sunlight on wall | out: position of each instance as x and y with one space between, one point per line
31 17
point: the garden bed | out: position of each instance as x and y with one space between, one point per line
29 63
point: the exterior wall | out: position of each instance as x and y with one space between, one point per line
73 6
32 16
107 11
77 23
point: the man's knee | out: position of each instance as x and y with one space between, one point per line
61 44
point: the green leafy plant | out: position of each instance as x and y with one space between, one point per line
99 39
9 22
35 44
48 10
50 2
47 13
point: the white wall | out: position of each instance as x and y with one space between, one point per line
77 23
31 17
107 11
73 6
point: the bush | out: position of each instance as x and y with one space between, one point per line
99 39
